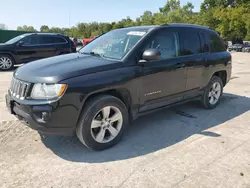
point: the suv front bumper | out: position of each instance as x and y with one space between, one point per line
37 117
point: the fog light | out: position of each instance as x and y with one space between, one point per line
45 116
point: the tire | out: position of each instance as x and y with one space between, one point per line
210 92
91 137
6 62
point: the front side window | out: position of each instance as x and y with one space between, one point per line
190 41
114 44
30 40
15 39
166 42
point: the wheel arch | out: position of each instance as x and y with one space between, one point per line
222 75
11 55
121 93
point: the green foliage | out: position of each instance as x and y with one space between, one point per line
231 25
207 4
147 18
26 28
247 18
44 28
228 17
171 5
160 18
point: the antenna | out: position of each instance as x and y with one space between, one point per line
69 20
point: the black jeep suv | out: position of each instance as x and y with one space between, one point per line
116 78
33 46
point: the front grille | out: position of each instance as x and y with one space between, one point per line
19 89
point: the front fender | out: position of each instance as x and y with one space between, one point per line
123 80
16 59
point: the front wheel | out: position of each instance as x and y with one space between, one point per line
6 62
102 123
212 94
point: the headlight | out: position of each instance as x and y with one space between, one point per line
48 91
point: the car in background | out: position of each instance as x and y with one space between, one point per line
77 42
88 40
246 48
236 47
33 46
74 41
230 48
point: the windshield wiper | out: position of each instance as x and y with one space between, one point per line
97 55
92 53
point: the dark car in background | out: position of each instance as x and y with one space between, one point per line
236 47
246 48
33 46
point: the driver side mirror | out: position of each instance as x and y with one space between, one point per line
150 55
20 43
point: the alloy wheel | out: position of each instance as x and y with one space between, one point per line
214 93
106 124
5 63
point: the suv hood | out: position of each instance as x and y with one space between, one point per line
58 68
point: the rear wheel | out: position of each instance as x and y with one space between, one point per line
212 93
6 62
102 123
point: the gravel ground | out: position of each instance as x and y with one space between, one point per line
185 146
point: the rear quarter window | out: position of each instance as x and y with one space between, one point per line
216 44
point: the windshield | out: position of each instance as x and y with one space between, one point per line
16 39
114 44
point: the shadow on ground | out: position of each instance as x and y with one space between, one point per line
154 132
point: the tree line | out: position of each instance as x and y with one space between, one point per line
230 18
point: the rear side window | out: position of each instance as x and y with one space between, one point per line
190 42
46 40
59 40
216 43
51 40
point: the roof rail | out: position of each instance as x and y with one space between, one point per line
186 24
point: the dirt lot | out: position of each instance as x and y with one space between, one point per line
185 146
